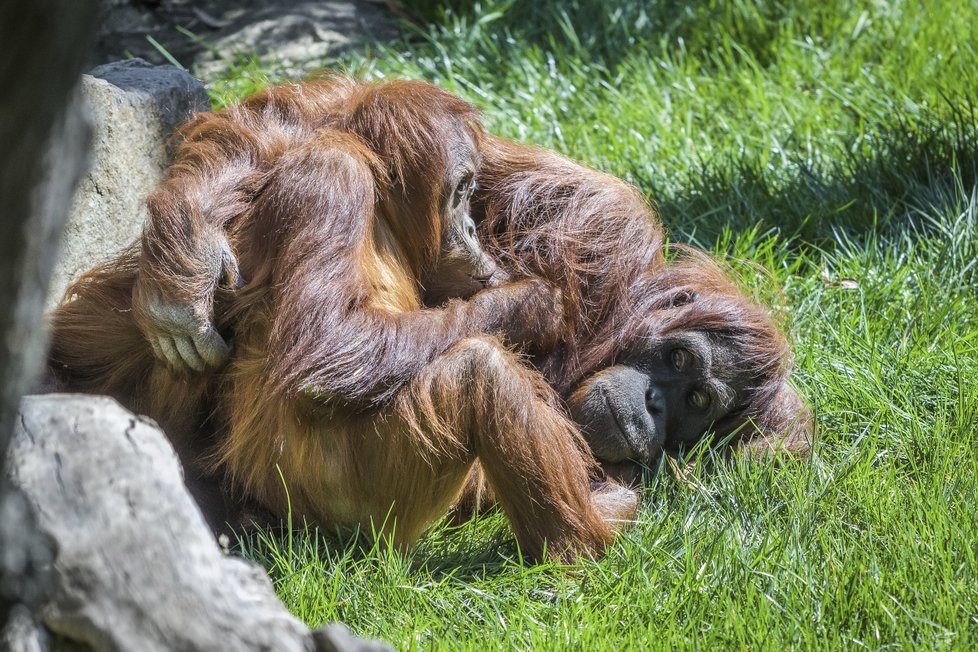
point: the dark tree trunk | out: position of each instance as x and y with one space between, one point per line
43 151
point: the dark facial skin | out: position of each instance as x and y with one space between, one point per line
665 396
460 244
464 267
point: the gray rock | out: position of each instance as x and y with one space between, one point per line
135 106
25 552
44 139
137 568
173 94
21 633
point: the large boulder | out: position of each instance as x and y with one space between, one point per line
136 107
136 566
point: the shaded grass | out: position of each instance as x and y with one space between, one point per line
832 143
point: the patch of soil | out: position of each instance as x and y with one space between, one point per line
205 36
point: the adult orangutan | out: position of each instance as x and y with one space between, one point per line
303 224
659 353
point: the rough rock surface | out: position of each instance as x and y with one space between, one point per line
135 106
206 36
137 568
21 633
44 139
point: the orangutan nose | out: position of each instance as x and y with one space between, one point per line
655 401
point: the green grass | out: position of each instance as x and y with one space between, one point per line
833 142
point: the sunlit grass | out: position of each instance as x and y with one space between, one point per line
832 143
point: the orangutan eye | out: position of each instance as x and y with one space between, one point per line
699 399
681 359
463 185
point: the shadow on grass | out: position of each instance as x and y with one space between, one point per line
913 167
475 550
469 552
606 32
